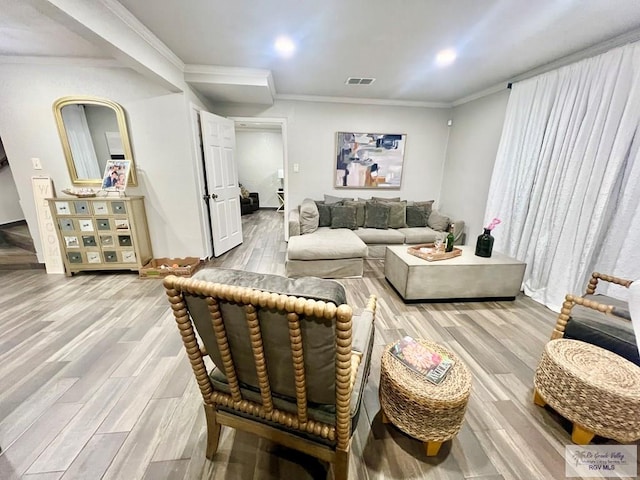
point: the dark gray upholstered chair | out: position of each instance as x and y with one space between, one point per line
599 319
291 360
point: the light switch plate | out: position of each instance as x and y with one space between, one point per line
37 165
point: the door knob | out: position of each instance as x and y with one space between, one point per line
214 196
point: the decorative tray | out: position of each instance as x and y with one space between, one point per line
427 252
80 193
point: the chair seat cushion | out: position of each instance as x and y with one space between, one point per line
607 331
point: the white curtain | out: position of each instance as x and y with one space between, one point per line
567 175
80 142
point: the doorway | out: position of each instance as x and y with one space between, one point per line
16 244
262 160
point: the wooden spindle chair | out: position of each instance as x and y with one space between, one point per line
291 360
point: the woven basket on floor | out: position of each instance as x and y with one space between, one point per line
418 407
591 386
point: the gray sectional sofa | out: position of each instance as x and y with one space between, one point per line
332 250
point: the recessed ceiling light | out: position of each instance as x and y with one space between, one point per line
284 46
446 57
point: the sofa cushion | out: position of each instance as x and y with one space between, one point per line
309 216
377 235
343 216
376 215
360 206
326 244
324 212
397 212
415 235
438 221
330 199
416 216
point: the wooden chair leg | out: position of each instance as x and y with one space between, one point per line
580 435
537 399
213 431
341 465
432 448
385 419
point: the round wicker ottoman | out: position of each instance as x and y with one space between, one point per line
594 388
431 413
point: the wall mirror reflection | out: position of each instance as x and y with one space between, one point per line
92 131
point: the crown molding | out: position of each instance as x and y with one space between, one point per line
69 61
628 37
480 94
362 101
143 32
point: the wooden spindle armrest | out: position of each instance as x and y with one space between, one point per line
595 276
565 312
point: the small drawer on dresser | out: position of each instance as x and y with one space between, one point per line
66 224
81 207
63 208
128 256
103 223
106 240
74 257
86 224
118 208
100 208
93 257
89 240
124 240
110 256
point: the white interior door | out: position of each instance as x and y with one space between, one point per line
218 142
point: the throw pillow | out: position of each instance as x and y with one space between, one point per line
438 222
397 214
382 199
343 216
359 210
324 211
416 216
330 200
243 191
428 206
309 216
376 215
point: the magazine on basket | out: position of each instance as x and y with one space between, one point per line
434 366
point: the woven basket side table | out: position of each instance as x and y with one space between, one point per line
431 413
597 390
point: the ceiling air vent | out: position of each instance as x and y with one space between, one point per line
359 81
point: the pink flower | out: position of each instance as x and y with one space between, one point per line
494 223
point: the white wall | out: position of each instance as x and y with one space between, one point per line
159 128
312 131
259 155
10 210
471 153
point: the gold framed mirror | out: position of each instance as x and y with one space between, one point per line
92 131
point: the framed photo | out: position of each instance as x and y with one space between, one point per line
369 160
116 174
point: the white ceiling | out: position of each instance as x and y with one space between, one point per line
395 42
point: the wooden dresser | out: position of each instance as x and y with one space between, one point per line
102 233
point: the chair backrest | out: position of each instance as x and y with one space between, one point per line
280 336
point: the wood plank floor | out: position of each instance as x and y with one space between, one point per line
94 383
